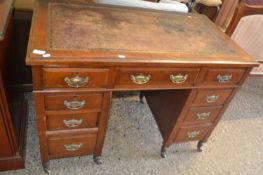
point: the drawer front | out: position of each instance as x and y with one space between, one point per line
73 102
202 114
211 97
72 121
223 77
192 133
154 77
71 146
75 78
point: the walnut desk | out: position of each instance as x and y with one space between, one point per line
186 67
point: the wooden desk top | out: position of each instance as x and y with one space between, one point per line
6 7
85 33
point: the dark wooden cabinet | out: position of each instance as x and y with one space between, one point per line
188 74
13 106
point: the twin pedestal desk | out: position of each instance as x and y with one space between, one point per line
187 69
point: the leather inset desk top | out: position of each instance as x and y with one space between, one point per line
80 27
94 34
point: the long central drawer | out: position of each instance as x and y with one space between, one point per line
140 78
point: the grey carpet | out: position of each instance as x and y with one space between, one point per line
132 145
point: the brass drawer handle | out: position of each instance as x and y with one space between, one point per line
177 79
193 134
74 104
140 79
72 123
76 81
211 98
73 147
223 78
203 115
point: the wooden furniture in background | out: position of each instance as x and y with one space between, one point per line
245 8
249 32
220 14
188 74
208 7
245 29
22 22
13 106
21 28
226 12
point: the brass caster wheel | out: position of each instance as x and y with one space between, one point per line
199 146
163 152
97 160
46 168
141 97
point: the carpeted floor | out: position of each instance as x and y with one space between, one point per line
132 145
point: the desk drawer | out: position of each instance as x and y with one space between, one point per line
74 78
192 133
202 115
72 121
223 77
211 97
73 101
155 77
69 146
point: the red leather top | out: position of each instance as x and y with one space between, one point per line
254 2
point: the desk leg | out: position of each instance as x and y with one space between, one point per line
97 160
41 126
141 97
103 121
46 167
199 145
163 152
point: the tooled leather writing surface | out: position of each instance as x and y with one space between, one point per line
96 35
80 27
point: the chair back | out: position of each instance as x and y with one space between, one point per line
243 9
249 35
